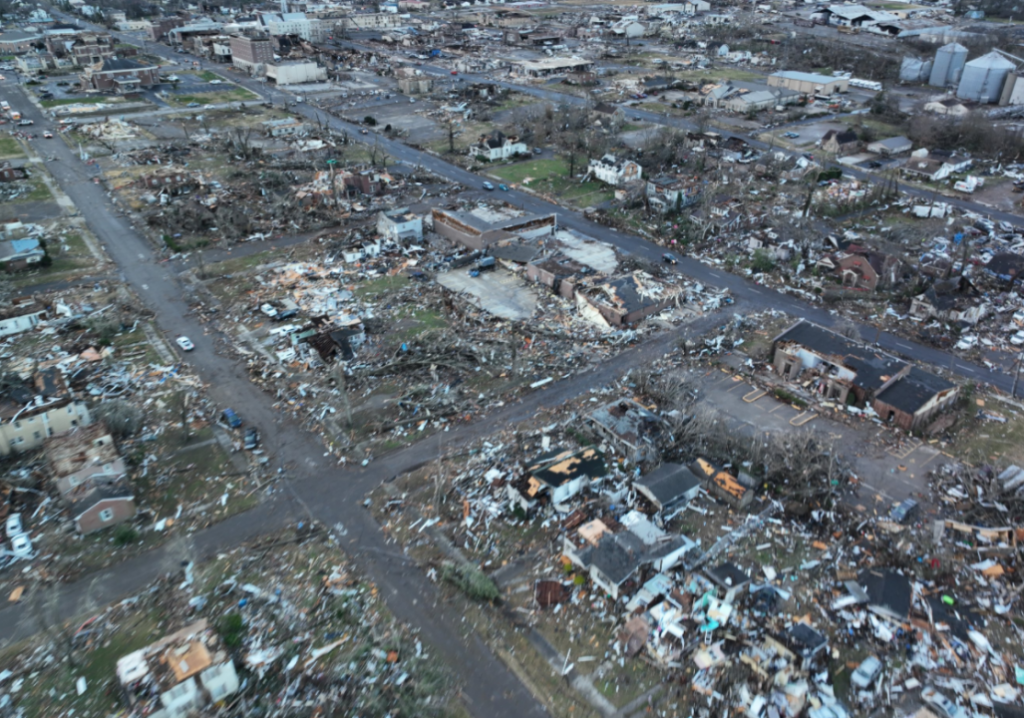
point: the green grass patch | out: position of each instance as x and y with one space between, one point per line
551 177
209 76
377 287
413 322
10 147
629 127
231 94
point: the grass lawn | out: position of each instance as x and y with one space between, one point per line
68 255
233 94
375 288
10 147
721 73
551 177
209 76
629 127
81 101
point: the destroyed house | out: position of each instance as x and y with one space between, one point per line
24 313
673 193
169 181
179 675
83 456
949 300
827 363
475 232
889 593
845 371
805 643
559 475
630 428
668 487
9 172
730 578
27 418
614 561
558 272
17 254
626 300
724 485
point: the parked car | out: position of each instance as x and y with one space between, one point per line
231 418
269 309
25 123
904 512
866 673
487 186
185 343
455 72
286 314
503 188
14 527
791 135
47 135
669 258
252 439
192 104
942 705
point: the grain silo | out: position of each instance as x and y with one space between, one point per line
983 78
914 70
949 63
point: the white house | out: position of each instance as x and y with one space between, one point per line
498 146
400 224
611 170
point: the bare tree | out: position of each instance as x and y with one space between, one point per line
123 419
179 405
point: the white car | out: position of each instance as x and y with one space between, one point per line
21 546
942 705
14 527
185 343
269 309
1018 338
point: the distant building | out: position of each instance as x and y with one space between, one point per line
477 232
25 426
159 28
671 193
840 142
891 146
16 42
551 66
296 73
285 127
120 76
252 54
808 83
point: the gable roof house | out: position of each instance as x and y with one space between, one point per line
840 142
399 225
911 400
862 268
559 475
891 146
498 146
937 165
614 171
668 487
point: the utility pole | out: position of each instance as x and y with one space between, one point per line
1016 375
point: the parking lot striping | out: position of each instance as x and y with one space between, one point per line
803 418
780 406
752 396
901 344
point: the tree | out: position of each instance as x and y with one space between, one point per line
123 419
6 289
179 406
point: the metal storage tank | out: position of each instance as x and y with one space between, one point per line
949 63
914 70
984 77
